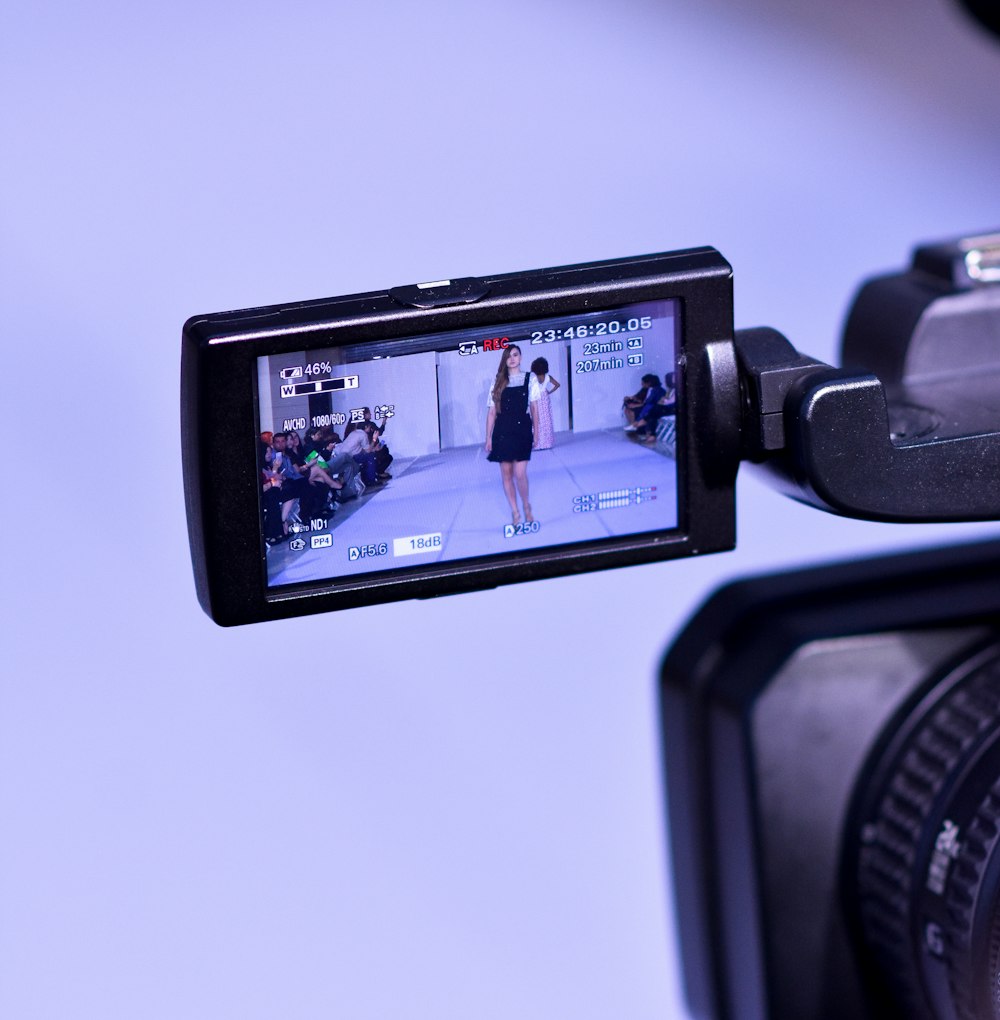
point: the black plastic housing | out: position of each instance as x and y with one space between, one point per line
218 415
771 700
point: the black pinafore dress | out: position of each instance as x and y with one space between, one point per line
512 433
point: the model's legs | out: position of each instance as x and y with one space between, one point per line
507 477
521 478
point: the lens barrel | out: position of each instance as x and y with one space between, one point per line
922 861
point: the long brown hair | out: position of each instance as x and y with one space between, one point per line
503 375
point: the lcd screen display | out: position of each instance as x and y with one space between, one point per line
466 445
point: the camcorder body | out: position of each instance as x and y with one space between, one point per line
831 738
832 758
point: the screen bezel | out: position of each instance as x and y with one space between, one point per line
219 411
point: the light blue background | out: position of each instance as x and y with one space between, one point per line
443 809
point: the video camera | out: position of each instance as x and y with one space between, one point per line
563 420
832 755
831 737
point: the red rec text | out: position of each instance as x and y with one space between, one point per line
497 343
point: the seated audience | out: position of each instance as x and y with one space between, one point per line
652 394
358 445
645 427
383 458
635 405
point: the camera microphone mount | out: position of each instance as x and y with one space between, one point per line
909 428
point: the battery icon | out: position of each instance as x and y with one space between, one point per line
292 373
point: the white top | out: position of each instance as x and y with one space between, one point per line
515 379
536 388
356 442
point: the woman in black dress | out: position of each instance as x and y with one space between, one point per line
508 430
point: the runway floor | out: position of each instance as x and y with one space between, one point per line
583 488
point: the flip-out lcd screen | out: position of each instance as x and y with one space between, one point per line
465 445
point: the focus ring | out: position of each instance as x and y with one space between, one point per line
978 842
896 843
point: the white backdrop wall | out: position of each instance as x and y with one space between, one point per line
464 384
410 384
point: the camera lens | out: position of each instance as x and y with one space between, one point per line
923 861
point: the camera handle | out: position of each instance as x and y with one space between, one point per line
919 440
